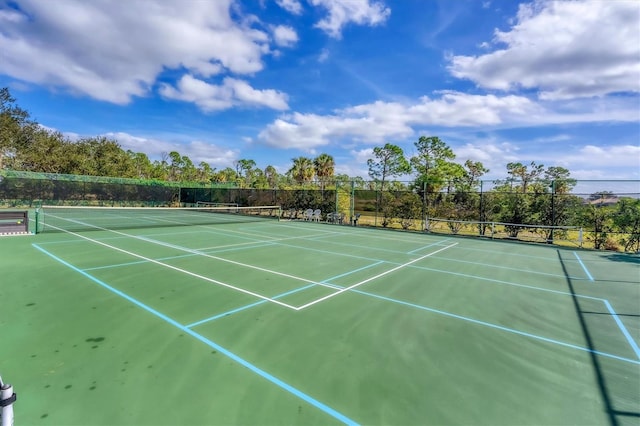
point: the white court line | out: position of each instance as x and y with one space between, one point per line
193 274
194 251
299 308
254 241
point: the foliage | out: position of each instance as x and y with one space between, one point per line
324 166
302 170
389 161
627 220
440 188
599 220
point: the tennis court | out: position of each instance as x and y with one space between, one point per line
129 317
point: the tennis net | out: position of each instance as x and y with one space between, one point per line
93 218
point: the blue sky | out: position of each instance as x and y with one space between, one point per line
557 83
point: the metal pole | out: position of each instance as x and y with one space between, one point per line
337 207
352 206
7 398
553 208
425 218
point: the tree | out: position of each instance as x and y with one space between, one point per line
389 162
465 201
525 174
302 170
176 166
225 175
205 172
559 183
324 167
627 221
433 155
141 164
602 195
552 201
514 206
598 219
271 174
473 172
16 127
244 170
189 172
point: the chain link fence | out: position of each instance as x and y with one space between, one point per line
588 214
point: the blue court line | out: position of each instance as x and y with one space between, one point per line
224 314
325 408
498 327
430 245
326 281
251 305
632 342
505 267
260 302
434 270
583 267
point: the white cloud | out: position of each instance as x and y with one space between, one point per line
343 12
197 151
607 156
232 92
375 122
284 36
291 6
564 49
492 153
112 52
362 155
324 55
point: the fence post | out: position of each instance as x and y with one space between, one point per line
425 217
553 208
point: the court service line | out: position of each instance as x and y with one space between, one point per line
184 271
182 256
496 326
632 342
421 248
507 268
188 250
252 234
337 243
430 245
375 248
254 239
372 278
491 280
260 302
281 384
368 233
250 305
583 266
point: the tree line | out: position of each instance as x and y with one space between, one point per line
27 146
438 186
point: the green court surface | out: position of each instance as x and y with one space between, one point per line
291 322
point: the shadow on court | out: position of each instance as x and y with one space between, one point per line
600 370
626 258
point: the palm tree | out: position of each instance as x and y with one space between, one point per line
324 167
302 170
271 174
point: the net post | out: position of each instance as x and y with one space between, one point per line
7 398
580 236
37 219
